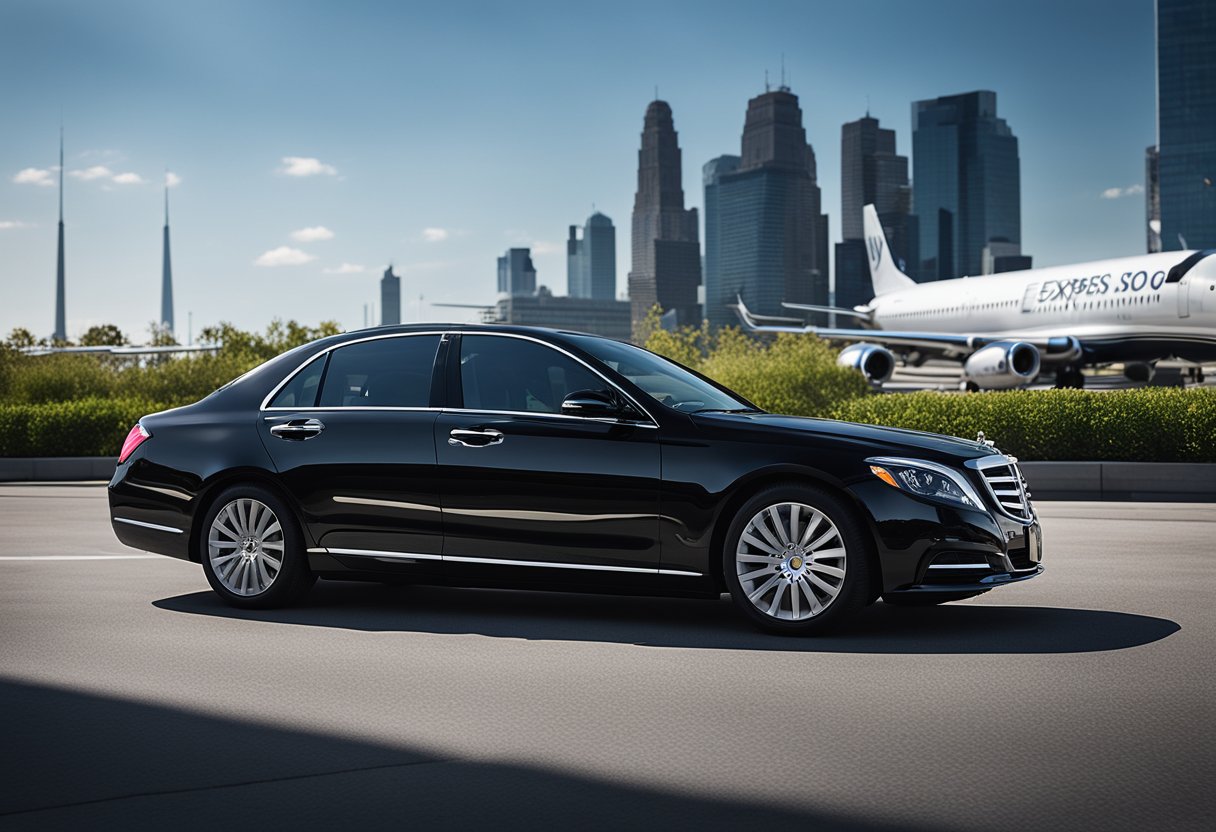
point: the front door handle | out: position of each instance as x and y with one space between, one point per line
475 438
298 429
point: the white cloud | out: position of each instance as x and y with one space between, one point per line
95 172
128 178
306 166
284 256
541 247
34 176
8 224
1116 193
172 180
312 234
346 268
435 235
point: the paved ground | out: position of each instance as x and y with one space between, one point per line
129 698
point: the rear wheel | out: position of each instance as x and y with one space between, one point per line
252 550
927 599
796 560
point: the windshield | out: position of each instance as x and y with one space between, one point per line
666 382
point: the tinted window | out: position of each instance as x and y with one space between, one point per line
386 372
667 383
513 374
301 391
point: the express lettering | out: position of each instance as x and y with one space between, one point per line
1054 291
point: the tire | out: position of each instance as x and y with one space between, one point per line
239 544
928 599
836 534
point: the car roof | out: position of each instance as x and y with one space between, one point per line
485 329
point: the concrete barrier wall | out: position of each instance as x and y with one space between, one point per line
1158 481
57 468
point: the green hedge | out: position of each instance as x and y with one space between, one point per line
1145 425
85 427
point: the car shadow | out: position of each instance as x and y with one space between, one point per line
973 627
81 760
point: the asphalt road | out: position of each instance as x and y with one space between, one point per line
129 698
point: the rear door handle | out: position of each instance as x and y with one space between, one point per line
298 429
475 438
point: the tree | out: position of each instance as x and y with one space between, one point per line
103 335
160 335
22 338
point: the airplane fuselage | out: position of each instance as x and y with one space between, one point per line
1120 310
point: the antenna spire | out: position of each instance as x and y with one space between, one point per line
61 171
766 80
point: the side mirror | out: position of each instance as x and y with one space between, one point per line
591 404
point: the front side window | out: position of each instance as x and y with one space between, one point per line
665 382
513 374
385 372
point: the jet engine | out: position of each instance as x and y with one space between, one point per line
1003 365
876 363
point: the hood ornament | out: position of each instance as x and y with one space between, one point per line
980 440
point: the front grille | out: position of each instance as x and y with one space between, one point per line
1007 486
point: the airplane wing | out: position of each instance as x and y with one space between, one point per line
945 344
859 313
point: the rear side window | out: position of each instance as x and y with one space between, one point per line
386 372
301 391
498 373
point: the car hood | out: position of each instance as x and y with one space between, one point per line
883 440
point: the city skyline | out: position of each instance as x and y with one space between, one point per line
283 172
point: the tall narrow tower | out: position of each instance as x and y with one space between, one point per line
166 280
60 316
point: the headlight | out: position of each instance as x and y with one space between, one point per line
926 479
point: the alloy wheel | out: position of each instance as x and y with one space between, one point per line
245 546
791 561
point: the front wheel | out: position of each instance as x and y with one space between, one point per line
797 560
253 551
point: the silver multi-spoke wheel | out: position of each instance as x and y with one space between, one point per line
791 561
245 547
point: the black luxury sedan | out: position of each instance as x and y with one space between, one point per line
513 456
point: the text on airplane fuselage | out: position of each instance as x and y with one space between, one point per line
1100 284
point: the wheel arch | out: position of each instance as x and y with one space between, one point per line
238 476
747 487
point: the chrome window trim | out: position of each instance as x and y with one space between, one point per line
960 566
592 567
153 526
265 406
654 423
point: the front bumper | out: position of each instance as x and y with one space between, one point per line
926 547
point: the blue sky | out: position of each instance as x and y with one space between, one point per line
437 135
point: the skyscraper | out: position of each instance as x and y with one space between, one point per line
1152 200
60 310
666 251
1186 122
766 238
166 277
516 274
871 173
591 259
390 297
966 182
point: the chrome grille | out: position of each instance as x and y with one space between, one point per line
1006 485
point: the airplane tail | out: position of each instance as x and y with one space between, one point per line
885 274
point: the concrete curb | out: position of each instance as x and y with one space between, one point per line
1147 481
56 468
1186 482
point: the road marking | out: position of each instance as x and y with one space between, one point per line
81 557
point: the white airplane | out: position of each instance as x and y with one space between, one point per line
1005 328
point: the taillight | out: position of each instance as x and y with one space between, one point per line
138 435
